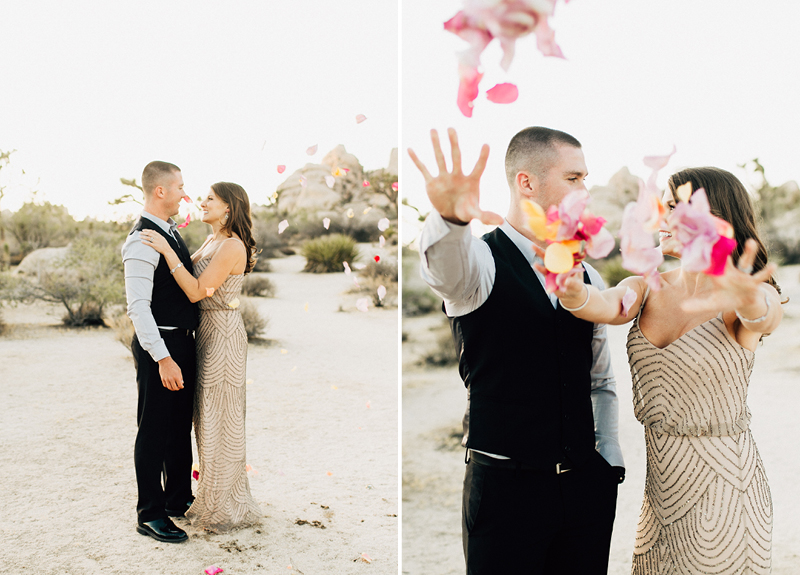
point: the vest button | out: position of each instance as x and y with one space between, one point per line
566 448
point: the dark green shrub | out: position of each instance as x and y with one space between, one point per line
327 254
258 286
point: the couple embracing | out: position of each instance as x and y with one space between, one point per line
190 350
541 425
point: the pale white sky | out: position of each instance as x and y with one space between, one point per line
90 91
719 79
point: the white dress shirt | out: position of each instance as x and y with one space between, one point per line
140 266
461 270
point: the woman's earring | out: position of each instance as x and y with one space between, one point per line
225 218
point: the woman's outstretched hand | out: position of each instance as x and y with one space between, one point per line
453 194
155 240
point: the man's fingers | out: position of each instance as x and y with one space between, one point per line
455 150
480 165
420 166
540 268
437 151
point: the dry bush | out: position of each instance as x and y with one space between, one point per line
255 324
122 326
443 353
256 285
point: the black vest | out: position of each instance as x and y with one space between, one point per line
526 366
170 306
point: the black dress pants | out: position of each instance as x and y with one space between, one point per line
163 442
530 522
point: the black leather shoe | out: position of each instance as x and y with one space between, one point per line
162 530
181 511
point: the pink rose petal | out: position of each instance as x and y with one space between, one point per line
312 150
196 475
503 94
381 292
600 245
382 241
213 570
281 168
467 89
186 223
330 180
383 224
627 301
360 118
210 291
365 184
719 255
394 186
347 269
282 226
326 223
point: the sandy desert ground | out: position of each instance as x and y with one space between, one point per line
433 462
321 439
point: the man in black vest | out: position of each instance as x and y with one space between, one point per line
540 428
164 355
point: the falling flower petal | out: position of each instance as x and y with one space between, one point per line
234 303
381 292
329 473
377 258
367 210
312 150
558 258
187 199
303 182
284 351
196 475
213 570
365 184
281 168
330 180
326 223
627 301
347 269
350 213
537 220
383 224
369 406
333 387
366 558
360 118
186 223
362 304
282 226
394 186
359 266
247 467
468 90
337 172
305 308
248 382
382 241
600 245
210 291
503 94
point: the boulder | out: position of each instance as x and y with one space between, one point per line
39 261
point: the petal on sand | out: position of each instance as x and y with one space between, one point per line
381 292
383 224
360 118
312 150
366 558
503 93
281 168
627 301
326 223
282 226
213 570
558 258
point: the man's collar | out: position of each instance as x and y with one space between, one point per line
169 226
523 244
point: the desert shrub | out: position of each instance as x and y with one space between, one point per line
258 286
122 326
419 301
269 242
3 324
255 323
327 254
613 272
85 281
262 265
387 272
443 352
41 225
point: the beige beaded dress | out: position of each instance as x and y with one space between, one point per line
222 498
707 506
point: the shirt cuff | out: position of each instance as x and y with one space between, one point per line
159 351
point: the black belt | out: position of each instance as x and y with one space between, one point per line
488 461
176 332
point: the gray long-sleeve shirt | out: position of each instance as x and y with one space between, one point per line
461 269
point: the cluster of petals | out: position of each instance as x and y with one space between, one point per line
571 232
482 21
706 240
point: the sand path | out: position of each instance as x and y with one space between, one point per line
321 438
433 465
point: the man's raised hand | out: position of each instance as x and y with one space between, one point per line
453 194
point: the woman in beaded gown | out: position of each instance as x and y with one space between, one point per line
691 348
222 498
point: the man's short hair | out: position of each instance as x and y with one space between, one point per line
155 173
534 150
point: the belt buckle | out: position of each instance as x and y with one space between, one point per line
559 470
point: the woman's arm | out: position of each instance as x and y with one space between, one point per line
601 306
225 260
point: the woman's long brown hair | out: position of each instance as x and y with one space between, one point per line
239 221
729 200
